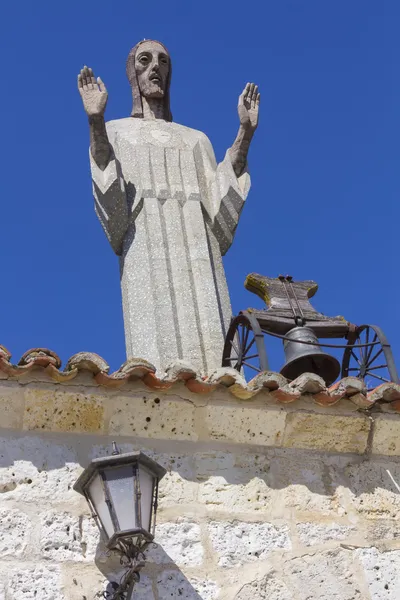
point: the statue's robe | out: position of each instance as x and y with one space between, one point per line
170 213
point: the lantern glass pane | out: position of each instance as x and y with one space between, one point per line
97 496
121 486
146 480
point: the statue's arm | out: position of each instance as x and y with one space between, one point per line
108 184
248 108
94 97
100 147
230 185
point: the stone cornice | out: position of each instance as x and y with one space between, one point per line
47 363
167 409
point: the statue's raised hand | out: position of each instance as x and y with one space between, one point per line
248 106
93 93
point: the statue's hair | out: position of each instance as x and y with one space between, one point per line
137 110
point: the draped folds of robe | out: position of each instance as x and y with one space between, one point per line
170 213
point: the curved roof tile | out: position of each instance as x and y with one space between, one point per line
281 389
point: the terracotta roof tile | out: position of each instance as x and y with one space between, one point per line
180 371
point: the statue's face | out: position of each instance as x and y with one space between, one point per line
152 68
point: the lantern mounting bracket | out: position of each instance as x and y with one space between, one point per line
133 560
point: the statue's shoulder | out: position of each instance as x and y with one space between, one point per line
140 128
192 135
190 131
121 124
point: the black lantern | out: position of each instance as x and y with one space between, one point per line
122 494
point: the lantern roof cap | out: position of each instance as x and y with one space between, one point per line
117 460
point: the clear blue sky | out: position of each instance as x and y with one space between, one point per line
324 202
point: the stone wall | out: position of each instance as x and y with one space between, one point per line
262 501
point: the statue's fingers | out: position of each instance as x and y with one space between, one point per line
258 99
101 85
92 77
84 81
88 78
80 83
246 90
251 90
254 96
252 100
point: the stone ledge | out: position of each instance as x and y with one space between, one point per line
246 425
386 439
215 417
327 432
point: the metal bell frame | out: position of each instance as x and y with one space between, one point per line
367 353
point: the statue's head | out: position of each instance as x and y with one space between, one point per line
148 68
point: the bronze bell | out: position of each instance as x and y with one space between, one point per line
307 358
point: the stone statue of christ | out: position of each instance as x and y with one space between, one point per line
169 211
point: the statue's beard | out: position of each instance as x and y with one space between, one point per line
151 89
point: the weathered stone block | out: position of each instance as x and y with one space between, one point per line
31 466
66 537
311 534
372 490
304 484
39 408
234 483
206 589
23 482
15 529
90 539
173 584
83 581
63 411
386 438
382 532
174 490
238 543
42 453
178 543
177 486
382 570
327 432
60 537
80 413
32 583
246 425
150 417
11 478
220 495
267 588
324 576
11 407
